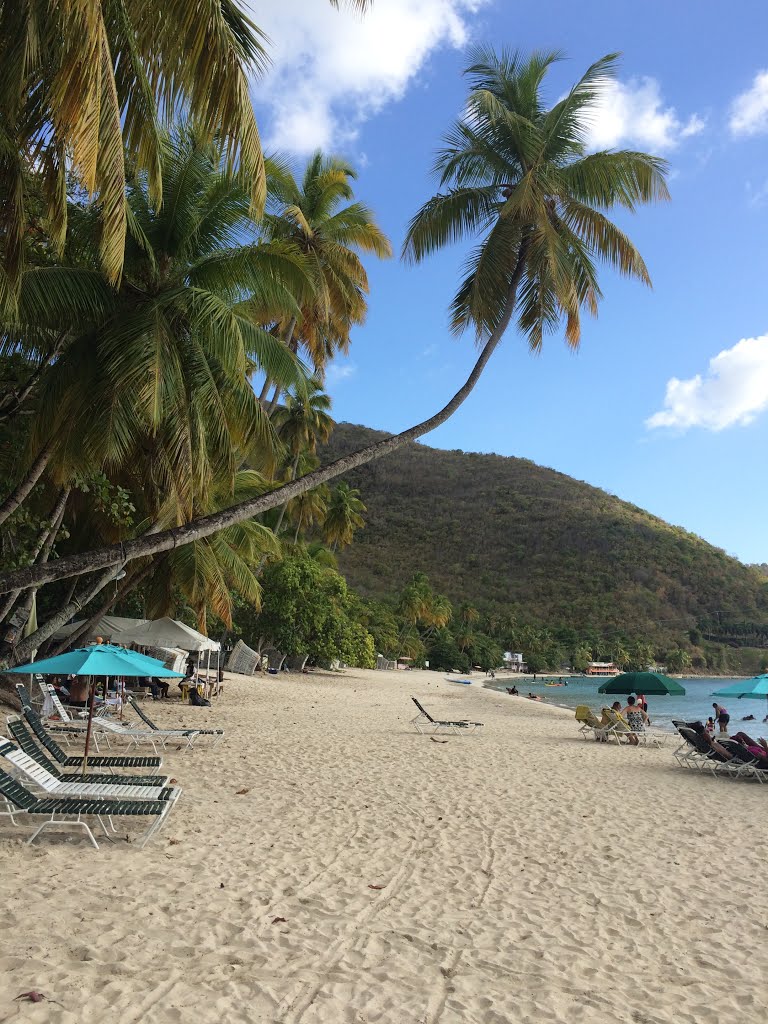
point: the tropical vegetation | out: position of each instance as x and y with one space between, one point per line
158 282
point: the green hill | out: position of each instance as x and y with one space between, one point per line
503 531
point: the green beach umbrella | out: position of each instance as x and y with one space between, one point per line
757 687
648 683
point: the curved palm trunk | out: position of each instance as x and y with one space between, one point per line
124 589
268 383
23 651
42 548
206 525
15 499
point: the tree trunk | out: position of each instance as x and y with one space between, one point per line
15 499
279 523
23 651
15 401
286 340
125 588
197 529
44 545
273 400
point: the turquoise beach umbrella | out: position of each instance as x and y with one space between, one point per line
757 687
98 660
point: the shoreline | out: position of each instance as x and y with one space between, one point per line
327 864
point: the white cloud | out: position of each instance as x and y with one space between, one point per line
333 69
731 393
749 111
634 113
339 371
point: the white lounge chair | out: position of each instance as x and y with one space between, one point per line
39 777
71 812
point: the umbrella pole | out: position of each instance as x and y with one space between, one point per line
208 674
91 701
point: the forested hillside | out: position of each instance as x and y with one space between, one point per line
503 531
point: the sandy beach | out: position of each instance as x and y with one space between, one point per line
328 864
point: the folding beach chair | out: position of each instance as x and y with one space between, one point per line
213 734
70 812
40 778
424 722
23 737
590 723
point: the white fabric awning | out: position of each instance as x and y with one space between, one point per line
168 632
108 627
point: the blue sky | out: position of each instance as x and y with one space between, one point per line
383 90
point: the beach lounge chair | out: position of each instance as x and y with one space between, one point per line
39 777
110 730
699 755
213 734
70 812
76 760
743 765
23 737
590 723
424 722
104 728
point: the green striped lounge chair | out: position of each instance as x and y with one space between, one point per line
40 778
424 722
76 760
215 735
106 729
23 737
71 812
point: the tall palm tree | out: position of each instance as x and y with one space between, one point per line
320 218
301 424
515 174
343 517
83 81
159 373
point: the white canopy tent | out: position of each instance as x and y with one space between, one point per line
109 627
168 632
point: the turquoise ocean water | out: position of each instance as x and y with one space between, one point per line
695 705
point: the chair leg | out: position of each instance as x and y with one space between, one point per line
52 821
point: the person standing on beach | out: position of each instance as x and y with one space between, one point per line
722 717
642 703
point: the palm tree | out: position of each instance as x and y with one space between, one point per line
81 83
307 509
205 574
344 516
158 373
311 215
517 174
301 423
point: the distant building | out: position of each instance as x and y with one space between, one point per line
601 668
514 662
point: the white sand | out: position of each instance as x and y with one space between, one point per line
528 876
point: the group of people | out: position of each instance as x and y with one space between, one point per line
756 748
634 715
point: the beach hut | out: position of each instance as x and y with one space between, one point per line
649 683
